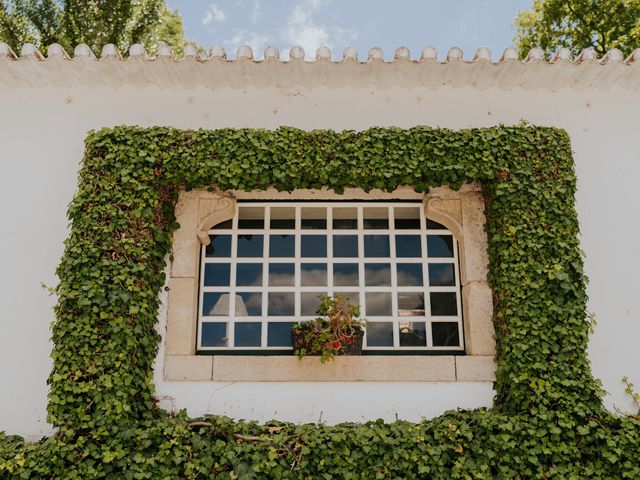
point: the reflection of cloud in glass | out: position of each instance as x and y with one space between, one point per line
410 274
313 274
378 303
281 274
309 302
441 274
345 274
248 304
281 303
377 274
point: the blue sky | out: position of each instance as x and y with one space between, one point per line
362 24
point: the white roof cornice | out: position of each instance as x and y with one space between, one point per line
139 69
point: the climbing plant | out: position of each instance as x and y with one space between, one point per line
547 420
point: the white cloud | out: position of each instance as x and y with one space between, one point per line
254 14
214 14
255 40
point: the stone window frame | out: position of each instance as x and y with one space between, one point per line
461 212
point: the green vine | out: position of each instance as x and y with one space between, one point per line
547 420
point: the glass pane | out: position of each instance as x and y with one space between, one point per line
283 217
354 297
250 245
247 334
249 274
380 334
248 304
217 274
408 246
345 274
313 274
281 303
377 274
442 275
345 218
251 217
214 334
378 304
407 218
445 334
309 303
282 245
440 246
215 304
376 246
228 224
411 304
410 274
279 334
220 246
443 303
281 274
431 225
313 246
314 218
345 245
413 334
376 217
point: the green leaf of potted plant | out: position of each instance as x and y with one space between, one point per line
339 331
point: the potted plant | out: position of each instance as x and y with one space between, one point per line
339 331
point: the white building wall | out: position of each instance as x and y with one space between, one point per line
41 144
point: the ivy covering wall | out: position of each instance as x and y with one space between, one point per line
547 421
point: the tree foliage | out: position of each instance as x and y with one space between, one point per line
579 24
93 22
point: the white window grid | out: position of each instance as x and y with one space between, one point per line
329 260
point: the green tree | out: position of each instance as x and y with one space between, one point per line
579 24
93 22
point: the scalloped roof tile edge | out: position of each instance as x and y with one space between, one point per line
507 72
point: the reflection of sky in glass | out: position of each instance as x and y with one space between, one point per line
282 245
313 274
441 274
249 274
250 245
247 334
217 274
215 303
440 246
376 245
220 246
380 334
309 303
281 274
214 334
313 246
377 274
345 274
279 334
408 246
345 246
410 274
281 303
249 304
378 304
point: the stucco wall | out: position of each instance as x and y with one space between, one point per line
41 143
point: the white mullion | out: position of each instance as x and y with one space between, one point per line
395 313
201 297
458 293
265 274
361 289
329 236
297 275
232 294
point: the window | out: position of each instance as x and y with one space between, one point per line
265 268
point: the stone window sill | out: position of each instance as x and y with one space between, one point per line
369 368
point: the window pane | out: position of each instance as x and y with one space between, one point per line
440 246
217 274
376 246
279 334
354 297
220 246
313 246
380 334
249 274
214 334
376 217
309 303
282 245
283 218
281 274
314 218
251 217
442 275
410 274
345 218
377 274
247 334
345 274
281 303
313 274
431 225
250 245
407 218
411 304
345 245
378 304
413 334
249 304
443 303
445 334
215 304
228 224
408 246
